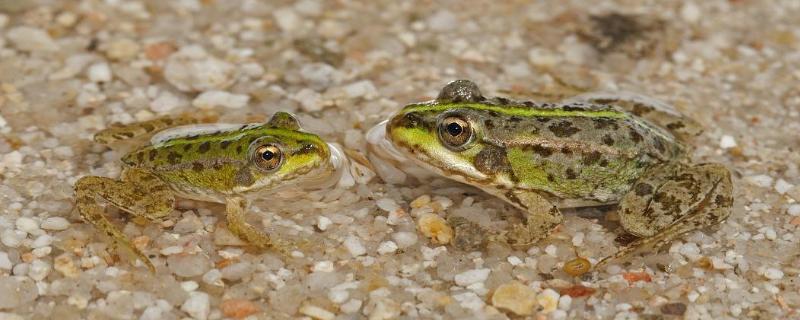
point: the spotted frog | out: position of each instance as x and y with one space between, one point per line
226 163
591 150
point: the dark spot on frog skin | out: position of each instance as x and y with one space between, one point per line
604 123
635 135
243 177
573 107
591 157
140 157
643 189
515 119
603 163
566 151
563 129
173 157
204 147
492 160
542 150
659 145
187 147
224 144
488 124
306 148
152 155
608 140
217 166
543 119
570 174
197 166
239 149
550 177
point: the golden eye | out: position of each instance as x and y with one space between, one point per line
455 132
268 157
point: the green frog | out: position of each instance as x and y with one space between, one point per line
225 163
591 150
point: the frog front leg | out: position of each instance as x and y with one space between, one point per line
541 217
671 200
236 210
138 192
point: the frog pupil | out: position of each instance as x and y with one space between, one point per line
267 155
454 129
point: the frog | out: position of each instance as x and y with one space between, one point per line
597 149
233 164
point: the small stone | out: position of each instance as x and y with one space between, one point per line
469 277
309 100
690 12
197 306
213 277
548 300
773 274
794 210
420 201
25 291
351 306
188 265
27 225
761 180
387 247
31 39
287 19
238 308
216 98
165 102
99 72
5 263
404 239
323 223
159 50
470 300
387 204
436 228
361 89
237 271
782 187
193 69
442 20
727 142
323 266
385 309
676 309
122 49
316 312
354 246
39 270
515 297
320 75
55 224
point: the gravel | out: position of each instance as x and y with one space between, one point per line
374 249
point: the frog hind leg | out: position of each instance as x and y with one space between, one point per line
236 209
145 129
653 110
671 200
138 192
542 217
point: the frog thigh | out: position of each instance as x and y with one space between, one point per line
541 217
673 199
236 209
138 193
656 111
145 129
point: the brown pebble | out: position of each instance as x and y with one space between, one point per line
238 308
676 309
577 267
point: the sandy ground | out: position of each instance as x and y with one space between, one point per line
71 68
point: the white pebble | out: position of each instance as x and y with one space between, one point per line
470 300
213 277
690 12
387 204
514 260
197 306
692 296
404 239
31 39
323 223
387 247
354 246
99 72
782 186
193 69
12 238
548 300
3 20
27 224
551 250
442 20
794 210
727 142
577 239
309 100
323 266
42 241
189 286
165 102
287 20
5 263
55 224
316 312
39 270
217 98
3 122
469 277
773 274
760 180
351 306
172 250
361 89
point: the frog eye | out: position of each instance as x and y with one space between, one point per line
268 157
455 132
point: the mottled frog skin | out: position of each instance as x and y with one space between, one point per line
595 149
230 164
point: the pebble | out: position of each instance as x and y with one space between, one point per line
323 266
31 39
761 180
39 270
316 312
217 98
25 291
470 300
213 277
676 309
773 274
193 69
27 225
237 271
198 305
165 102
385 309
548 300
188 265
404 239
5 263
690 12
387 204
238 308
354 246
323 223
310 100
436 228
361 89
99 72
55 224
727 142
12 238
794 210
320 75
515 297
66 266
351 306
387 247
442 20
469 277
287 19
782 187
122 49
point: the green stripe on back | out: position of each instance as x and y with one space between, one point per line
516 110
